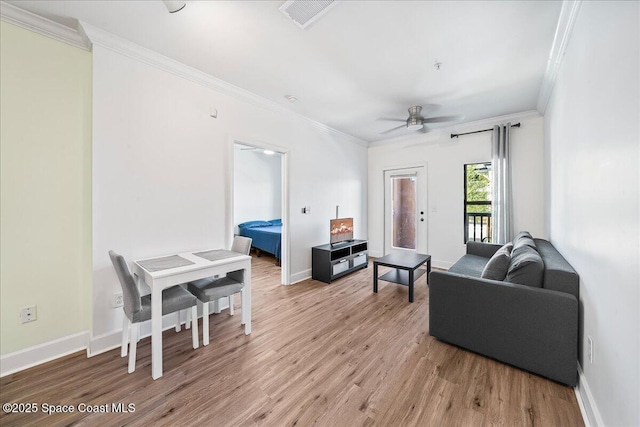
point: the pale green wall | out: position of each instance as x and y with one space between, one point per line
45 166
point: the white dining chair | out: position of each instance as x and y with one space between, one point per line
137 308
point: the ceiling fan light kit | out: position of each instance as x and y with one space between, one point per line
415 120
413 123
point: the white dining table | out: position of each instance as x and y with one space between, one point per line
191 267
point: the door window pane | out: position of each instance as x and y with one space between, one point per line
403 212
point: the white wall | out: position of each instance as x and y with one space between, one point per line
161 164
592 134
445 159
257 191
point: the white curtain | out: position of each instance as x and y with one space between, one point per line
501 206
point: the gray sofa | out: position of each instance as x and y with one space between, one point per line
533 328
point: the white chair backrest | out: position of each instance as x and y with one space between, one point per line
241 244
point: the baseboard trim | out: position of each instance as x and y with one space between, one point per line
583 410
29 357
112 340
300 276
587 403
103 343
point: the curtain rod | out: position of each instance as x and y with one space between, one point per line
455 135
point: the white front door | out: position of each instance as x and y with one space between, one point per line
405 219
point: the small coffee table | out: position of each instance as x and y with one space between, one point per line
405 269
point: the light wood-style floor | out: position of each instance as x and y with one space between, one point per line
325 355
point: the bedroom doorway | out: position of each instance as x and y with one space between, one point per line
405 226
259 205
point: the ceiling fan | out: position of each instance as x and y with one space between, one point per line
417 122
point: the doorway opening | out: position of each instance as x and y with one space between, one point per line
259 200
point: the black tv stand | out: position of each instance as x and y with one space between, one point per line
341 244
332 261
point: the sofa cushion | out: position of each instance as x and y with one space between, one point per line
558 273
469 265
523 239
496 268
526 267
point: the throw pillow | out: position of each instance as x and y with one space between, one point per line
522 234
526 267
254 224
496 268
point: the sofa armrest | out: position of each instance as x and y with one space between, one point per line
532 328
485 250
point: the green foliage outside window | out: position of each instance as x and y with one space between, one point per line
478 187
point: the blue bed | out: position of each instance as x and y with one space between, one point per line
266 235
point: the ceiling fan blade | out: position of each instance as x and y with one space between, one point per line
390 119
391 130
440 119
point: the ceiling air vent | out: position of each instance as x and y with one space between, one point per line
304 12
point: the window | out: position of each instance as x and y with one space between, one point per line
477 202
404 211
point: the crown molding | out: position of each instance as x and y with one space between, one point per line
86 35
566 22
445 132
46 27
103 38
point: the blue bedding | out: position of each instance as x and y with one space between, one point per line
266 236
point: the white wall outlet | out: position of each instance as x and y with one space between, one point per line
590 349
118 301
28 314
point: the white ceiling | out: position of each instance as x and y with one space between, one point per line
362 61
